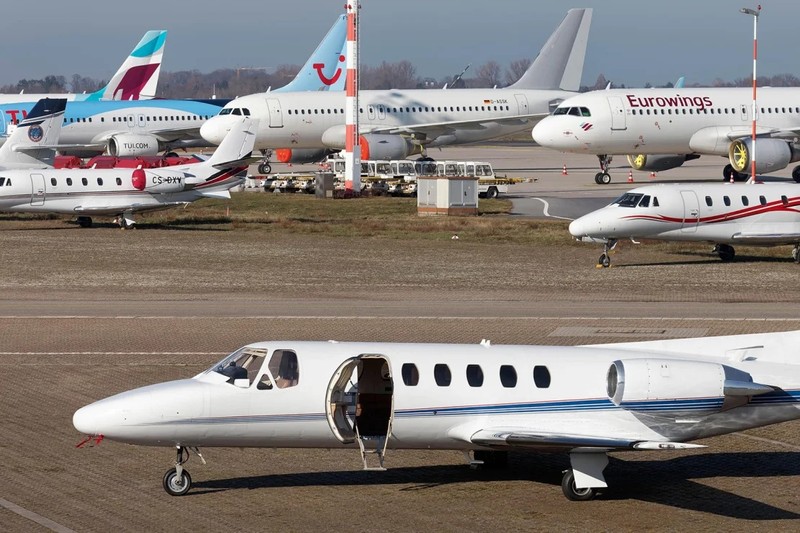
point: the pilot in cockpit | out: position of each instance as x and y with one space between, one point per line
234 372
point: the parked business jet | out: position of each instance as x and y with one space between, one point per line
136 79
663 128
121 192
144 128
397 123
582 400
764 214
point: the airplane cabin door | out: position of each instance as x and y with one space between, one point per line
617 113
522 104
38 190
743 112
360 404
275 115
691 212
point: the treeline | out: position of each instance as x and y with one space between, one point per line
232 82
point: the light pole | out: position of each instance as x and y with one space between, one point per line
755 13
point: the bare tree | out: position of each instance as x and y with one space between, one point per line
516 69
488 74
400 75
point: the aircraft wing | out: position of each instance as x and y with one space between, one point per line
524 438
435 129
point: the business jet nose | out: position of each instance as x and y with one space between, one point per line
95 419
215 129
577 227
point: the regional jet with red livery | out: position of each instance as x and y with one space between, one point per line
660 129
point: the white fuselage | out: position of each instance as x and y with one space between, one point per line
666 121
434 117
724 213
106 191
440 396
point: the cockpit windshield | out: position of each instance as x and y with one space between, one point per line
241 364
235 111
226 111
628 199
575 111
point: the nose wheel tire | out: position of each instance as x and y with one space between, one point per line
177 485
796 254
604 260
572 492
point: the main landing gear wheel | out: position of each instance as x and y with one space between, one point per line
796 254
574 493
264 168
725 252
177 485
796 174
85 222
737 176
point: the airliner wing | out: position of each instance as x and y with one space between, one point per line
435 129
524 438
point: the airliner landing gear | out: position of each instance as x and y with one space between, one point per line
84 222
605 258
725 252
264 167
177 481
737 176
603 177
796 174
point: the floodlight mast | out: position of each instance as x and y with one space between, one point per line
754 13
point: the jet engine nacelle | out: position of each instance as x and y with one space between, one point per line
158 181
771 155
657 163
300 155
373 145
665 386
128 144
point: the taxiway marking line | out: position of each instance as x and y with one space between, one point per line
778 443
546 210
39 519
410 317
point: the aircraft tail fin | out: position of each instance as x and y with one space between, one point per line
559 64
32 142
137 78
325 69
236 148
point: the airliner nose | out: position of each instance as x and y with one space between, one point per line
542 132
214 130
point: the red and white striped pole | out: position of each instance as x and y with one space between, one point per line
755 13
352 148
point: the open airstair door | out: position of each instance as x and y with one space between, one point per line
360 405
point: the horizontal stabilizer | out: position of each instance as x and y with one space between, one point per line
222 195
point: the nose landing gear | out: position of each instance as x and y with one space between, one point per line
605 258
603 177
177 480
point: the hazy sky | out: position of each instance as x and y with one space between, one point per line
631 41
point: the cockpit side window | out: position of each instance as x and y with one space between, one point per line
561 111
226 111
645 201
585 112
283 365
2 181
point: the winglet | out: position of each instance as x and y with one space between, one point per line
137 78
237 146
559 64
31 143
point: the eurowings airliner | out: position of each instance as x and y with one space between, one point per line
397 123
660 129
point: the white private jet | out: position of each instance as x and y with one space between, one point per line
121 192
663 128
396 123
762 214
582 400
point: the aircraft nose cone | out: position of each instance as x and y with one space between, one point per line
213 130
87 420
542 133
576 227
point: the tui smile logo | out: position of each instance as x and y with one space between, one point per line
324 79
